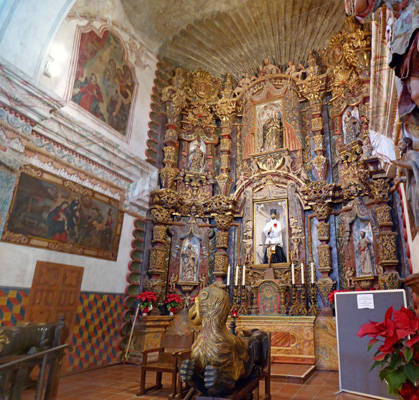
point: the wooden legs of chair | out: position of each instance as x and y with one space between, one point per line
143 389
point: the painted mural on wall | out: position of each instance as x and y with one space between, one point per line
6 191
104 84
52 213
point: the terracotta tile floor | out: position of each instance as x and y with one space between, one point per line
122 382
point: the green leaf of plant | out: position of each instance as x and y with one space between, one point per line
408 353
384 372
372 343
395 361
412 372
377 364
396 378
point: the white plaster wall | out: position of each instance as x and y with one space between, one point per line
17 264
27 27
62 51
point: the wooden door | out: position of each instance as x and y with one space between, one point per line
55 291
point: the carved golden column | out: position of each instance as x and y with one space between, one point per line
223 222
325 284
175 99
388 277
159 253
225 111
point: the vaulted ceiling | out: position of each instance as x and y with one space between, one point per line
234 35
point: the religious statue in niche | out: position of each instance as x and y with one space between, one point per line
351 125
273 137
411 168
197 156
270 231
365 253
189 260
404 48
269 126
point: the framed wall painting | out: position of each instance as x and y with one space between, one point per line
53 213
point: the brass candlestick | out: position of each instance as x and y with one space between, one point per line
313 300
235 298
294 301
303 307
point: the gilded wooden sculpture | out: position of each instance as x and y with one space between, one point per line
220 359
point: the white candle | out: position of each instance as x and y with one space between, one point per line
237 275
243 280
292 274
228 275
302 274
312 272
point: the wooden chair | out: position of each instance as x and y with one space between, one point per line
173 350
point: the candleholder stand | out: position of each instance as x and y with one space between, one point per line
313 300
235 298
303 307
294 301
243 309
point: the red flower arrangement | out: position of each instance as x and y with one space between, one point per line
398 355
172 302
145 300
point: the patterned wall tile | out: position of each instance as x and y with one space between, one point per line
96 336
95 340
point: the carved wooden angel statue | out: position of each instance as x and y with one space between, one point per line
268 69
404 48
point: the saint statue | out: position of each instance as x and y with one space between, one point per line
268 69
197 160
273 236
404 47
273 137
351 127
190 261
411 168
365 252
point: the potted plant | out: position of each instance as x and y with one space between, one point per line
173 301
398 354
145 301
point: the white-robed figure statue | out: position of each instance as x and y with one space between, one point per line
273 236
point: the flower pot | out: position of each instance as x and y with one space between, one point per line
171 313
145 314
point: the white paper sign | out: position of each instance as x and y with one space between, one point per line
365 301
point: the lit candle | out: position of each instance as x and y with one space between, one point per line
312 272
228 275
292 274
302 274
243 280
237 275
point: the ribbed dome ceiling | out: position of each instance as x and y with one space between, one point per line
235 36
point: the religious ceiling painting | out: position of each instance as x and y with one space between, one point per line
55 214
104 83
270 221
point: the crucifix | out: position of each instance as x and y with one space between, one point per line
270 249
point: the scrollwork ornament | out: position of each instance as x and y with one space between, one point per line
380 189
325 287
322 210
160 233
383 215
166 197
223 221
222 239
220 263
387 249
160 215
389 281
159 258
323 231
324 253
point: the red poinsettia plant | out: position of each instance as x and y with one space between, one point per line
398 354
173 301
145 300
